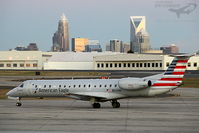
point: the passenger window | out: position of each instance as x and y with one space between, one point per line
89 86
59 86
74 86
35 86
79 86
115 85
44 86
84 86
64 86
110 85
49 86
100 85
104 85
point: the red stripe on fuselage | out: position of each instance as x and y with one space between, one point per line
171 79
164 84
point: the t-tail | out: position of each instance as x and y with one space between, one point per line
173 76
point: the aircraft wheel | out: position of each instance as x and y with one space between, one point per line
115 104
18 104
96 105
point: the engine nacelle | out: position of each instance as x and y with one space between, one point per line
134 83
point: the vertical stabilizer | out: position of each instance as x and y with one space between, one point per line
173 76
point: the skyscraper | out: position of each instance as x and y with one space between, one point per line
171 49
78 44
126 47
61 36
93 45
139 38
116 45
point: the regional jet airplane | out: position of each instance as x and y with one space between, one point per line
103 90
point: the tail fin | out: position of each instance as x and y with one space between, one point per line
173 76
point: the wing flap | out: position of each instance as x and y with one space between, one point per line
100 95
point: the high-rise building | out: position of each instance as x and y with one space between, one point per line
90 48
126 47
93 45
116 45
20 48
171 49
108 47
139 38
30 47
78 44
61 36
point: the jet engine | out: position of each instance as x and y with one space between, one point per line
134 83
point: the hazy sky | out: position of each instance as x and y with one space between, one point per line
25 21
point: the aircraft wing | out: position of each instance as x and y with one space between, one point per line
99 95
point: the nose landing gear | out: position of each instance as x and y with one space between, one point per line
18 103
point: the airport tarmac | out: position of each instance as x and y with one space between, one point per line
166 114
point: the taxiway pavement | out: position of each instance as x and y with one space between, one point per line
166 114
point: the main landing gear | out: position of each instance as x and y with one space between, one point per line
96 105
18 103
115 104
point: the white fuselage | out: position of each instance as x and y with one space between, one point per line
106 89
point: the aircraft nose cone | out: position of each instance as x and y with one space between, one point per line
10 93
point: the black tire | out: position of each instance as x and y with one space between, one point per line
115 104
18 104
96 105
118 105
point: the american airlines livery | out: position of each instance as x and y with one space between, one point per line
103 90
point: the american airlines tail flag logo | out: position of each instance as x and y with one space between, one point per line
173 76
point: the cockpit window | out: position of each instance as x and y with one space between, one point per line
21 86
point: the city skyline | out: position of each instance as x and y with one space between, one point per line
23 22
61 36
